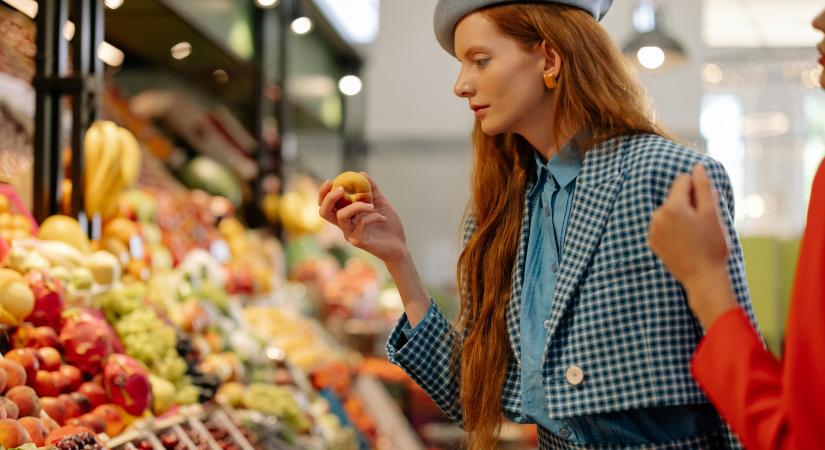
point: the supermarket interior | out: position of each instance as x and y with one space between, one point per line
166 279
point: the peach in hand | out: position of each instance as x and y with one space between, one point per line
356 189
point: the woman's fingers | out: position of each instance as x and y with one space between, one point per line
362 221
323 191
346 215
327 208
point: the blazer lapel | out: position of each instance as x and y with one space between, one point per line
512 312
593 201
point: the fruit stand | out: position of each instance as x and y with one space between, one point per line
142 339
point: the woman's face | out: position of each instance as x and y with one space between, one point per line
501 81
819 24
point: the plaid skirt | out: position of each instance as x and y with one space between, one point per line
710 441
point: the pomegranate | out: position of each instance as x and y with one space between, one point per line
127 383
87 340
48 299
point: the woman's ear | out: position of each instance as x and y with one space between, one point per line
552 59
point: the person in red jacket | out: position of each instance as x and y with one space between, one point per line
770 404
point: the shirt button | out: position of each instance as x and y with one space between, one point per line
574 375
554 267
547 211
547 325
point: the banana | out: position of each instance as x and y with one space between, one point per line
105 180
130 159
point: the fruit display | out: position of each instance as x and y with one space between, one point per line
171 325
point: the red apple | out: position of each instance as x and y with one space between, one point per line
45 384
54 408
73 374
61 382
95 393
82 401
70 408
50 358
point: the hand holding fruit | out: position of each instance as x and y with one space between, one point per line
353 203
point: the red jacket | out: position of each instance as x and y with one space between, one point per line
775 404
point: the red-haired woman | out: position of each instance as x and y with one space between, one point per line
567 320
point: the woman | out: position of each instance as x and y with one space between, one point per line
568 320
771 404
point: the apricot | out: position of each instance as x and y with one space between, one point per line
36 430
28 359
356 189
10 409
15 373
26 400
12 434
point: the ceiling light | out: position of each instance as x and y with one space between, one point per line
113 4
110 54
68 30
651 57
301 25
181 50
767 124
266 3
220 76
712 73
350 85
652 47
27 7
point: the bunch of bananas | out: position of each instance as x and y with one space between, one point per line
112 163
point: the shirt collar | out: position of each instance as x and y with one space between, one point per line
564 166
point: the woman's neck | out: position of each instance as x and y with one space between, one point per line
542 139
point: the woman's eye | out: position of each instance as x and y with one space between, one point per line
481 63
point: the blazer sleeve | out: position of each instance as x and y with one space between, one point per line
736 259
774 405
425 352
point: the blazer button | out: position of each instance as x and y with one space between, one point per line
574 375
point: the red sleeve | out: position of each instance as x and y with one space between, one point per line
773 405
743 381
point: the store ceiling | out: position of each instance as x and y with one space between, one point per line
760 23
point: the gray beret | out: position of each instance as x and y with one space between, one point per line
449 12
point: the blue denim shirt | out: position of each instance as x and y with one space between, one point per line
550 200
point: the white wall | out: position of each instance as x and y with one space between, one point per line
419 131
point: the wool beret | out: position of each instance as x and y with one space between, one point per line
449 12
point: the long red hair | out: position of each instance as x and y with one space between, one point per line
596 90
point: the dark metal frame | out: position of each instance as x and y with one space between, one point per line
52 83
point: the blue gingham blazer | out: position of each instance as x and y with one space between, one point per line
617 313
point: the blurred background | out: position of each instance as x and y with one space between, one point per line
241 108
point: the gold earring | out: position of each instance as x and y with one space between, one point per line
550 80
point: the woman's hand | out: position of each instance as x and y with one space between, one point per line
687 233
373 227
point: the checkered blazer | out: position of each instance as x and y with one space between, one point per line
617 313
